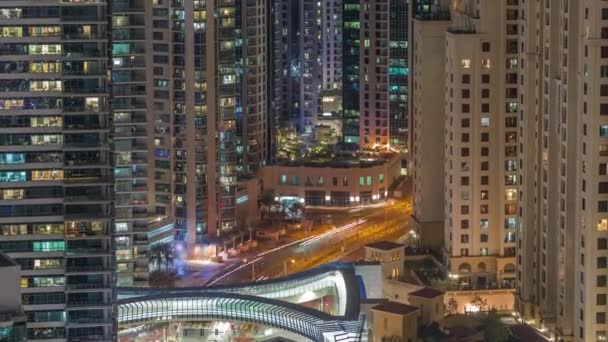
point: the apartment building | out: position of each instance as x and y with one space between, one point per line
253 126
187 122
481 142
55 170
562 232
427 142
331 62
398 74
374 78
351 46
479 122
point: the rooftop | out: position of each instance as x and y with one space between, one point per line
427 292
5 261
395 308
385 245
527 333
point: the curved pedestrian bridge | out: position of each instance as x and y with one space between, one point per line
278 303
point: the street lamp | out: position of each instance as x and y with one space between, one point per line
293 261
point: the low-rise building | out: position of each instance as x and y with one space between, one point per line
393 321
389 254
430 303
335 183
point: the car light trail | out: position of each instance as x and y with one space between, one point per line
333 232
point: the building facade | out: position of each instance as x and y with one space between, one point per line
351 91
398 74
481 141
562 227
427 139
334 183
479 135
55 165
188 122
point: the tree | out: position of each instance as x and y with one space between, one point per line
494 329
444 284
452 306
265 202
294 208
479 302
161 254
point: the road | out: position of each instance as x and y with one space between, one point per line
304 250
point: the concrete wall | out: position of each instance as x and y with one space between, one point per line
398 291
391 260
372 279
10 291
431 309
386 325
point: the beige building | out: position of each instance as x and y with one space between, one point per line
479 135
427 113
390 255
393 321
339 184
563 228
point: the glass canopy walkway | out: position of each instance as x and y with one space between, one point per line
276 303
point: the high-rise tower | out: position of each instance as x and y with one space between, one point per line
55 164
563 223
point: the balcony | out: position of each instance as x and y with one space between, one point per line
85 251
86 286
86 269
87 302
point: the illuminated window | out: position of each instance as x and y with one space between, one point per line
44 49
44 31
45 67
13 229
40 85
43 264
46 121
510 194
11 31
91 104
12 194
485 63
12 158
48 281
11 104
602 225
48 246
47 139
466 63
51 228
42 175
13 176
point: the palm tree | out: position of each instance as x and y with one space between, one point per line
294 209
452 306
265 202
162 254
155 256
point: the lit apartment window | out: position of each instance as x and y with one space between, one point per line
466 63
602 225
11 32
42 175
44 49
